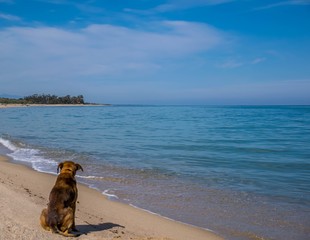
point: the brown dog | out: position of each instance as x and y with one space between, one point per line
59 216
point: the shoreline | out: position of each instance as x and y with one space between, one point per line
102 219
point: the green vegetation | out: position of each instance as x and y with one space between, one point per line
44 99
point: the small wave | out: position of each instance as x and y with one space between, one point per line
107 179
8 144
20 152
91 177
109 195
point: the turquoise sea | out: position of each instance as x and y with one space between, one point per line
241 171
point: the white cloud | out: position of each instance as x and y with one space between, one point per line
40 55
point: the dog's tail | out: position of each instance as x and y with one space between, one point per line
66 233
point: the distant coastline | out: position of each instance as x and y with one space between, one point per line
43 100
19 105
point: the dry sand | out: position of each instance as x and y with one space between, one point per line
24 193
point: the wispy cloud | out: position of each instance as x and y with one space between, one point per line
61 2
258 60
232 63
10 17
173 5
86 6
285 3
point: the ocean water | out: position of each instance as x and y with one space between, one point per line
241 171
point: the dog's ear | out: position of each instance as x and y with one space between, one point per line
60 165
79 167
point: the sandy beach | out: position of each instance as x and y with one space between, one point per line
24 193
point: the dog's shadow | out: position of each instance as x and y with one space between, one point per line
89 228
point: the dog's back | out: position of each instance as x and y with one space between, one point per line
62 196
59 216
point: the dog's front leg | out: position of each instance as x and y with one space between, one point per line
73 225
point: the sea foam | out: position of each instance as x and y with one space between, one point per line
28 155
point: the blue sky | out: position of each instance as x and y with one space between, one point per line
158 52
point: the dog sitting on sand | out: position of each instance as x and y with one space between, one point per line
59 216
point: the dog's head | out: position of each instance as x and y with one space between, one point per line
69 167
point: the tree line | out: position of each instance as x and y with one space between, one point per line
45 99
